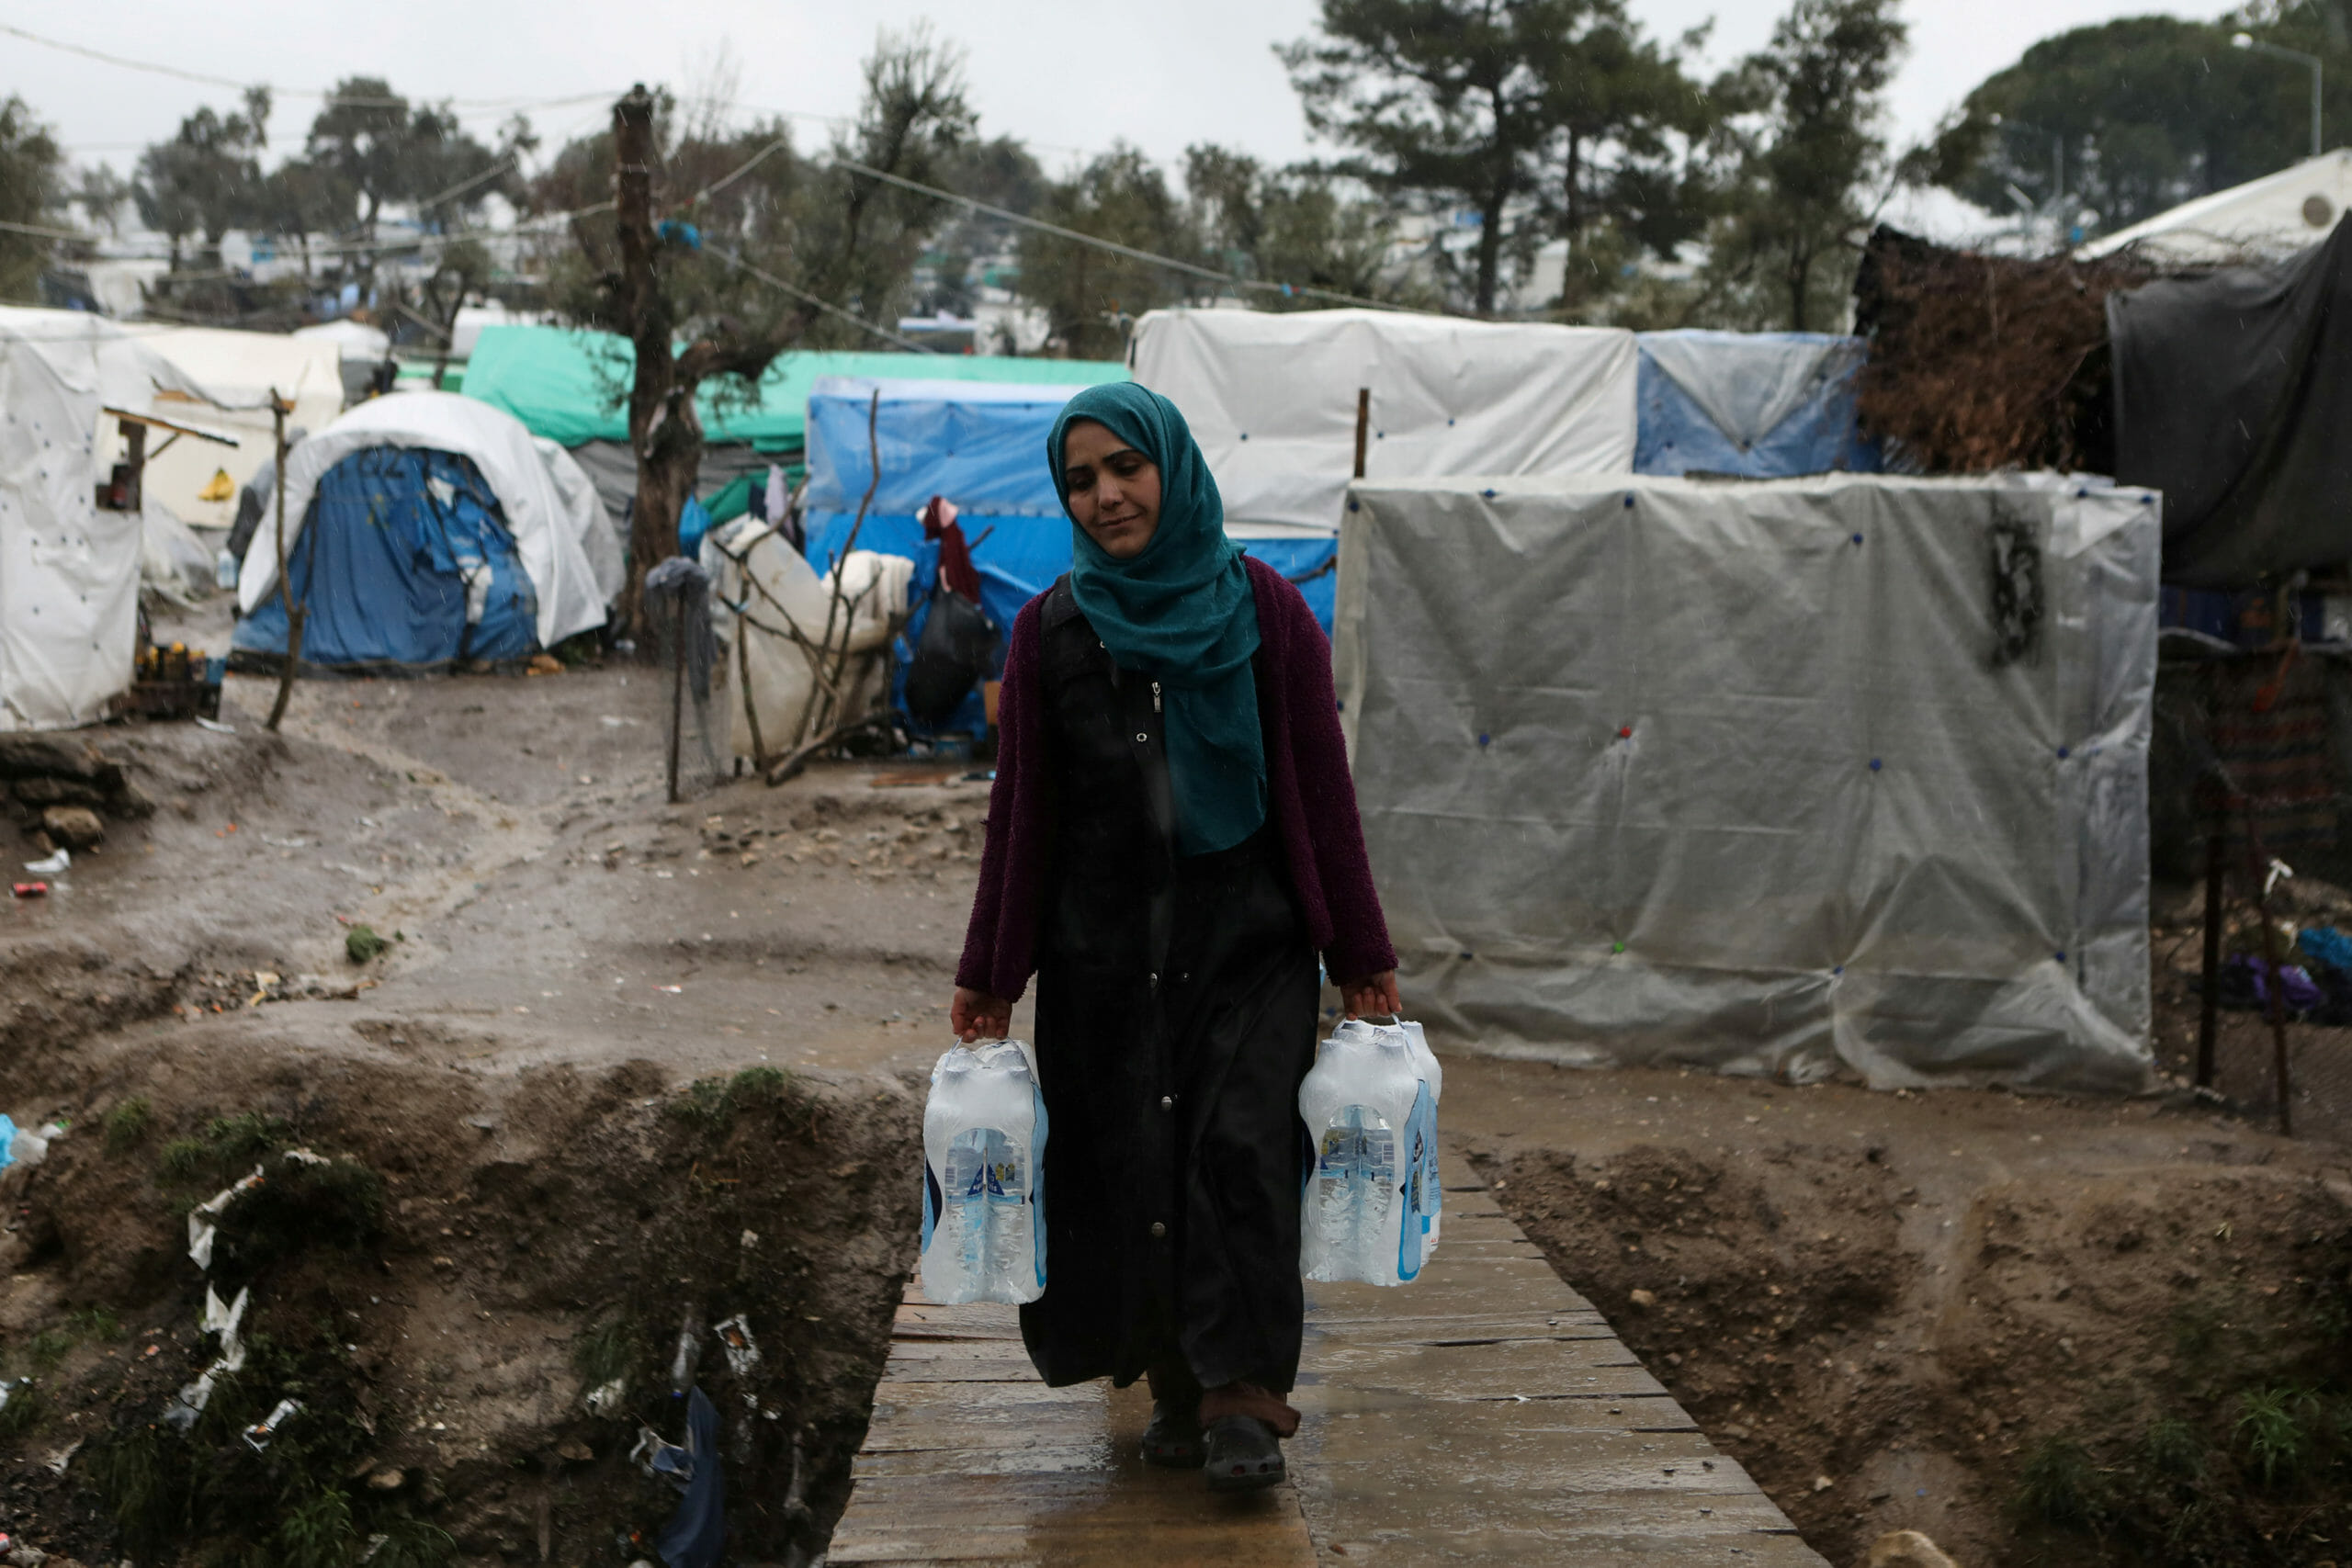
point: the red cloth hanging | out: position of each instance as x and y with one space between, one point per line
955 568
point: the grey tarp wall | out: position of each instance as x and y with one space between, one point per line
1738 773
612 467
2233 397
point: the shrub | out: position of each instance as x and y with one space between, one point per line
126 1124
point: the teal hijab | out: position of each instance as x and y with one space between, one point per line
1181 612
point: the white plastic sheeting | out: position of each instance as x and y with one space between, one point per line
68 572
576 490
244 367
2265 219
554 521
1734 774
785 604
1271 398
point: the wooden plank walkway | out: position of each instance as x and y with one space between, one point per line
1485 1414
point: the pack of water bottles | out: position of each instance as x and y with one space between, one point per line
1371 1204
983 1188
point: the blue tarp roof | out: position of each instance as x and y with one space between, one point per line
981 446
1767 405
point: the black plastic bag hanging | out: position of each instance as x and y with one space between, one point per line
953 650
677 602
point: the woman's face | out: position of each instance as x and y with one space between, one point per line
1113 488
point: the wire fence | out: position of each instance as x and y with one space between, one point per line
2249 758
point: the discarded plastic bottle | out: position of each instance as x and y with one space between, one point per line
1371 1198
983 1193
225 569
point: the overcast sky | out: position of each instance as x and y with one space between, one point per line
1070 76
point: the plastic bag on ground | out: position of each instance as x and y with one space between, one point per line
1371 1198
983 1192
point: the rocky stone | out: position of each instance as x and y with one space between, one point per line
1643 1299
1907 1549
576 1451
27 1557
37 755
47 789
131 802
75 826
389 1479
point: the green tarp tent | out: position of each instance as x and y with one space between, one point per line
561 381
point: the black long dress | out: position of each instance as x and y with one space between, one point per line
1176 1017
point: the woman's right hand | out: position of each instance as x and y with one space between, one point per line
976 1015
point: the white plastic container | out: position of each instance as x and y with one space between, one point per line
983 1192
1370 1210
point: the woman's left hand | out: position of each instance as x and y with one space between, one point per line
1373 993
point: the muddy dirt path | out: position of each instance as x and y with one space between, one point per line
625 1069
2029 1327
626 1064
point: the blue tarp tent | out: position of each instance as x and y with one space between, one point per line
1762 405
397 540
983 447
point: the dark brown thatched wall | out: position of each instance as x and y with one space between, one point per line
1979 363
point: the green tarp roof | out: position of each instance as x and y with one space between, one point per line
559 381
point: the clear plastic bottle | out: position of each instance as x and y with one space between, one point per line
1371 1202
983 1199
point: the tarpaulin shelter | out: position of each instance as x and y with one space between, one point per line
983 447
1770 777
245 368
360 351
1761 405
442 531
2270 218
570 386
69 570
1271 398
2233 397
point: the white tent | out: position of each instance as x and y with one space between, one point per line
353 340
550 506
361 346
247 367
1271 398
2265 219
69 571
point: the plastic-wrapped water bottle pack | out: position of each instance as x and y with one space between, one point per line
1372 1199
983 1199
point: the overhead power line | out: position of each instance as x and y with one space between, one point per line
851 317
206 79
1191 268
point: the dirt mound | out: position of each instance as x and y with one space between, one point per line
442 1268
2153 1368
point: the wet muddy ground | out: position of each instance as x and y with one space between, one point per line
624 1062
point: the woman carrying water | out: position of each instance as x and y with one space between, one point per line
1172 838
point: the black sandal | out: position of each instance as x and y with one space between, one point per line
1243 1455
1173 1436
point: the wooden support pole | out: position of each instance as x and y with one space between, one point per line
2270 962
295 610
2209 1017
677 688
1364 425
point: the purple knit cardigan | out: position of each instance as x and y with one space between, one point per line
1313 801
